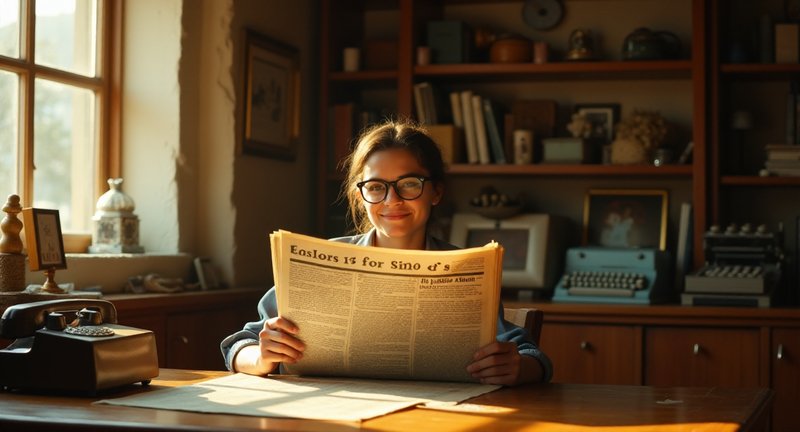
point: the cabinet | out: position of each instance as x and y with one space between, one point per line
599 354
677 346
676 88
748 110
189 326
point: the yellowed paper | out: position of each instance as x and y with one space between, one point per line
333 399
387 313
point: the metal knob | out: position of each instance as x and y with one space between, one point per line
185 339
585 345
696 349
55 321
779 354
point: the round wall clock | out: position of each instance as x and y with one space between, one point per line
542 14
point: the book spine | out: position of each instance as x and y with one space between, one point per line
480 130
493 132
455 105
419 103
469 126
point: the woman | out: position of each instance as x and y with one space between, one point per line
395 177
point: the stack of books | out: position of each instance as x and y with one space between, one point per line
783 160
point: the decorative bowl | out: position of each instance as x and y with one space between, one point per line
498 212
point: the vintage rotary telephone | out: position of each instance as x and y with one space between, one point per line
73 345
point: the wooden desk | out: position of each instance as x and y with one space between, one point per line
562 407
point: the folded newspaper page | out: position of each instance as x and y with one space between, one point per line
374 312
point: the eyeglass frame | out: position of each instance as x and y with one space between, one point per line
393 184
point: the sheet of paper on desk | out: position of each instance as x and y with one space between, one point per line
337 399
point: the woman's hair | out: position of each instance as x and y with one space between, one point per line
392 134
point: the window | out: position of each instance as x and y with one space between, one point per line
55 104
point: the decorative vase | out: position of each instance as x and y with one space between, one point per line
628 152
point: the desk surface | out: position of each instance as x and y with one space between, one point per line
563 407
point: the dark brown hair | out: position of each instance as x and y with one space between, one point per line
392 134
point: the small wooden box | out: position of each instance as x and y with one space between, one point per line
449 139
568 150
787 43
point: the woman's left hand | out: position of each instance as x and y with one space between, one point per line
501 363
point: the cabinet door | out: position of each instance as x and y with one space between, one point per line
701 357
785 379
593 354
193 338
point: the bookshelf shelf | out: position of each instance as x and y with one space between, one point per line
674 69
366 75
759 181
562 170
759 70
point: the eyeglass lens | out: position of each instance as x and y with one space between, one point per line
375 191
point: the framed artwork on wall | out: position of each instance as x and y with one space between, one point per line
271 98
625 218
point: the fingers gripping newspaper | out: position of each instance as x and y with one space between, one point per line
376 312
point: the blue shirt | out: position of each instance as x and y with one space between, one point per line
268 308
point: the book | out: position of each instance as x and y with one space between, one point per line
493 131
782 152
469 126
455 106
683 253
480 130
419 103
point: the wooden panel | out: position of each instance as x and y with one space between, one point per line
786 379
701 357
592 354
193 338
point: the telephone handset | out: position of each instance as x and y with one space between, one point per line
73 345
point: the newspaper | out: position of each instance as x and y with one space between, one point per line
375 312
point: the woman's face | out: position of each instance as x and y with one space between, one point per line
399 223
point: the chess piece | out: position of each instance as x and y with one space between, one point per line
12 261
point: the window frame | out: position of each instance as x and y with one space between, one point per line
106 86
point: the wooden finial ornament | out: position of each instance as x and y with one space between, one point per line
12 261
11 226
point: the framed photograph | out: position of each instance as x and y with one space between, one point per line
45 243
272 98
625 218
206 273
602 117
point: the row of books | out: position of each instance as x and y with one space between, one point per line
783 159
487 127
471 112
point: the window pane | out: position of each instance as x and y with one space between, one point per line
9 122
65 34
64 140
9 28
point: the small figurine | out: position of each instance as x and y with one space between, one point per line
581 45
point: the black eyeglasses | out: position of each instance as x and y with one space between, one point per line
407 188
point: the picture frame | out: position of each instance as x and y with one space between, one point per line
206 274
625 218
602 117
44 241
271 98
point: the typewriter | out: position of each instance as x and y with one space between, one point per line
743 267
610 275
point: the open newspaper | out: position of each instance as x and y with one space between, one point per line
386 313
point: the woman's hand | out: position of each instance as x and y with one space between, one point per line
278 343
501 363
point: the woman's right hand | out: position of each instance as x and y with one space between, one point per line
279 344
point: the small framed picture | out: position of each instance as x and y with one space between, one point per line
625 218
206 273
271 98
602 117
45 243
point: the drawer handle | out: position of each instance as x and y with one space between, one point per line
696 349
779 355
185 339
585 346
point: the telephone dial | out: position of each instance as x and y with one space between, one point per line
73 345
